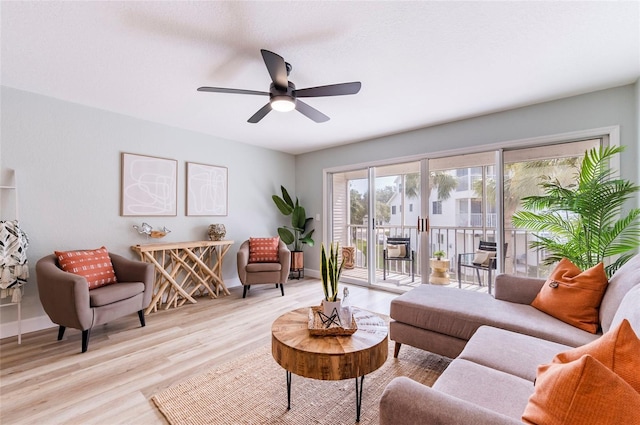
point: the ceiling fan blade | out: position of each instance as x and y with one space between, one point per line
233 91
260 114
276 67
310 112
330 90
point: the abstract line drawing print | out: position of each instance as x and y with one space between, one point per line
148 186
206 190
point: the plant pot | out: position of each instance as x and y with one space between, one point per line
297 261
329 306
439 271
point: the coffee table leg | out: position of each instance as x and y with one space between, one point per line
288 390
359 397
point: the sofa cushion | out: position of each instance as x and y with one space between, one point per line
483 258
584 392
618 350
458 313
94 265
510 352
489 388
572 295
396 250
263 250
629 310
625 278
263 267
114 293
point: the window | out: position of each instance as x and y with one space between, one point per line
410 207
436 207
393 210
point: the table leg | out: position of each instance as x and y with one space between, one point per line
288 390
359 397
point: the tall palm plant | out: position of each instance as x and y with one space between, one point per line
583 220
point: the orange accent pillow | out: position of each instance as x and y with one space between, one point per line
618 350
584 392
95 265
573 296
264 250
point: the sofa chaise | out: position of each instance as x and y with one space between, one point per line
497 342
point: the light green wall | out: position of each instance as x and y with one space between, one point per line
68 162
617 106
67 157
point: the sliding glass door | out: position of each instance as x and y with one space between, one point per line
368 206
447 204
349 221
462 206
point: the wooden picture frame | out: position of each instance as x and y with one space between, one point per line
148 186
207 190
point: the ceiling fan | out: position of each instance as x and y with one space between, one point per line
283 93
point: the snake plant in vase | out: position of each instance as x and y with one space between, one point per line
331 268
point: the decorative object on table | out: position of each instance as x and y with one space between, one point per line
330 270
346 310
207 190
146 229
14 267
217 232
321 325
583 221
297 234
149 186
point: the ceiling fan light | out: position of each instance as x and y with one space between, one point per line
282 103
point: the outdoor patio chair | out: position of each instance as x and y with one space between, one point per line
484 259
398 249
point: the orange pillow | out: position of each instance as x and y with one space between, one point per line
583 392
618 350
95 265
572 295
263 250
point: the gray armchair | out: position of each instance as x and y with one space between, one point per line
68 302
259 273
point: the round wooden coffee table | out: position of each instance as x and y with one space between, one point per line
329 357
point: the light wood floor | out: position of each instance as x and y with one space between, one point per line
45 381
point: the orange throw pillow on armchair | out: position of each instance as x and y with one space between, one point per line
264 250
93 264
573 296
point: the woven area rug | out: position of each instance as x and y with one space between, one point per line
252 390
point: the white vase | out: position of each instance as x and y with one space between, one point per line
329 306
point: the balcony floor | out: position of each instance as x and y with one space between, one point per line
401 282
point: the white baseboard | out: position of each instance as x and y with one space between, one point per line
31 324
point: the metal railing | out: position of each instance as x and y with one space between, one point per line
519 258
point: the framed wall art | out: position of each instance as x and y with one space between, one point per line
149 186
207 190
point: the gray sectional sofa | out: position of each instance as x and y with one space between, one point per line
497 343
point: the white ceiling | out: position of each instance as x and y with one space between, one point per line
420 63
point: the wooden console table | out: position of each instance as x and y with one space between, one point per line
184 268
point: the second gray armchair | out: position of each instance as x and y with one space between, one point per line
274 270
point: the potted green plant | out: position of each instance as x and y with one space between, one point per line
296 234
330 268
583 221
439 254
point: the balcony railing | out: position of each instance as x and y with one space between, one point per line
519 258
